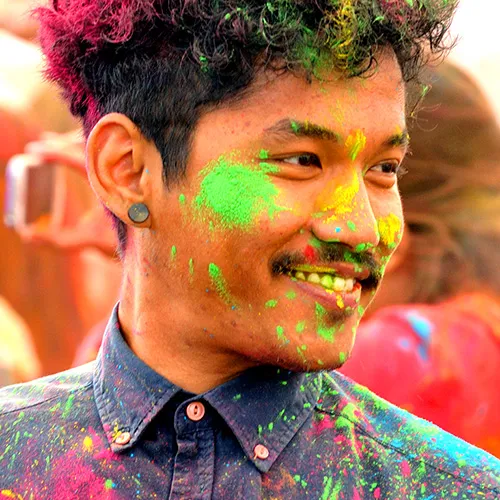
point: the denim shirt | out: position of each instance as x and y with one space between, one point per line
115 429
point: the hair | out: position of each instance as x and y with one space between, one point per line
451 194
163 62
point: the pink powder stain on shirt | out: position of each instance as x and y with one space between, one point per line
405 469
376 493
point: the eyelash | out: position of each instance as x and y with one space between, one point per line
396 168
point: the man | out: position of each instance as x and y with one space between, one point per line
248 155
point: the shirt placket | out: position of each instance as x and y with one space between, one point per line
194 466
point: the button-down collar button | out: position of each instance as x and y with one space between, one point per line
122 438
195 411
261 452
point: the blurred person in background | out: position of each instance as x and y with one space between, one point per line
438 354
58 294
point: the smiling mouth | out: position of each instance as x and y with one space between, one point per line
328 280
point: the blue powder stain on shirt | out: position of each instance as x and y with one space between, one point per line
423 328
404 344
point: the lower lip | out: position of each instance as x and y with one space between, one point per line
335 300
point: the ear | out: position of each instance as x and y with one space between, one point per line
116 166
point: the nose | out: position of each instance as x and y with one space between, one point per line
343 213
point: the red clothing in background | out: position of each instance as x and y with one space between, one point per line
440 362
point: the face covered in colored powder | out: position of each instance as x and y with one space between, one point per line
274 243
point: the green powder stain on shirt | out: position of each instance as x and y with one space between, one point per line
219 283
68 406
235 195
109 484
351 225
300 326
271 304
324 331
330 491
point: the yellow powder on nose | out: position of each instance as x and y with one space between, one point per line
355 144
341 201
389 228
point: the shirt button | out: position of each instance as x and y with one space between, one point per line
122 438
195 411
261 452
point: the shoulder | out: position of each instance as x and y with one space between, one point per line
400 432
46 391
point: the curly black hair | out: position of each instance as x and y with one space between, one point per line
162 62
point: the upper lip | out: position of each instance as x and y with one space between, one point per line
343 269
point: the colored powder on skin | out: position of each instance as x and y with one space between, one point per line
363 246
191 267
315 243
300 326
341 200
355 144
219 283
236 195
173 253
263 154
351 225
271 304
182 199
281 332
389 229
342 357
324 331
295 127
290 295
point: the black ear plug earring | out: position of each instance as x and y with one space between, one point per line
138 213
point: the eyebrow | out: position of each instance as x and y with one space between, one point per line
293 128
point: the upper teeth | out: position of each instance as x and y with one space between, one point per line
335 283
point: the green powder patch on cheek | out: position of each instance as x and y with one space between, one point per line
389 229
300 326
290 295
323 330
191 267
173 253
182 199
219 283
351 225
271 304
236 195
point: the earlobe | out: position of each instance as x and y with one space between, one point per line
116 166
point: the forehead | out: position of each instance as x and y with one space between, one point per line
374 103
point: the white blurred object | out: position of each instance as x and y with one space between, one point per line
478 46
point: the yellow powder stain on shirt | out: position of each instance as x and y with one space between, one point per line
10 494
341 200
88 444
389 229
355 144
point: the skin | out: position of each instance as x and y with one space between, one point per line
203 322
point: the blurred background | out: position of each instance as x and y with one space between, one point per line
434 351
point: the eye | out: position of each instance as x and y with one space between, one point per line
388 168
304 160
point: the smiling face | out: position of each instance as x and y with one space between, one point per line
273 244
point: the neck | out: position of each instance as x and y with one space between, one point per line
172 338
